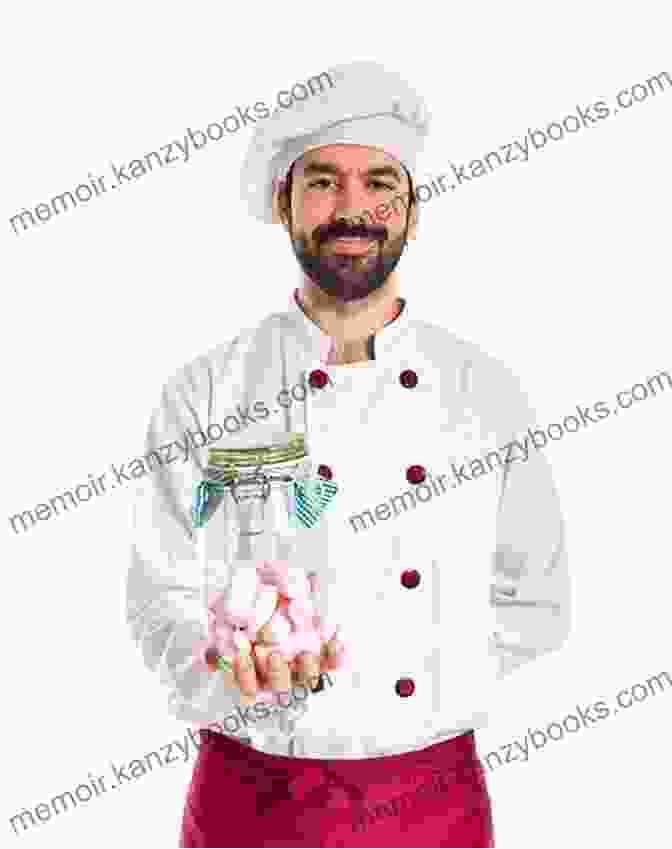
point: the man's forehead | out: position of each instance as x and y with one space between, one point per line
348 158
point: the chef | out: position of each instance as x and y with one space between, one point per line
458 581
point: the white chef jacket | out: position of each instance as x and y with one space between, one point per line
494 587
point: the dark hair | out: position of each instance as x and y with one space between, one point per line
286 195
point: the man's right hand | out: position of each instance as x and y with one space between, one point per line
264 668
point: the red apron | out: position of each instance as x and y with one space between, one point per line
241 797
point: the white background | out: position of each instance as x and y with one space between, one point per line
559 266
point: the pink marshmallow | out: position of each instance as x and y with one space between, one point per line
251 602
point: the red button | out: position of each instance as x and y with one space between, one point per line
410 579
408 378
416 474
324 472
405 687
318 379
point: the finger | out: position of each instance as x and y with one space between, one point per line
227 671
246 675
307 668
279 677
261 655
332 655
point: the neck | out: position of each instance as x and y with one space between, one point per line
350 324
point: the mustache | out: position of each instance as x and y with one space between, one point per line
343 229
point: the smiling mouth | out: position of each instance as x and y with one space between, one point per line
353 246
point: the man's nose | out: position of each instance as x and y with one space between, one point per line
352 203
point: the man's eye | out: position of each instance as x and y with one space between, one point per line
324 182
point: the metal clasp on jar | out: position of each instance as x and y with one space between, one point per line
251 492
256 485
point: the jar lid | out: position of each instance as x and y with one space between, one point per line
232 460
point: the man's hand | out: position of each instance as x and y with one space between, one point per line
261 667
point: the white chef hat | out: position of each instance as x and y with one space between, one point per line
360 103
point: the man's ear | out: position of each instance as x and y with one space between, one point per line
413 221
280 211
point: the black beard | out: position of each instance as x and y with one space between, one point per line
339 275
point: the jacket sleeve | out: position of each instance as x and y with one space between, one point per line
164 607
163 603
531 586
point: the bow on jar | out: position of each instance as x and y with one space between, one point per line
207 496
310 498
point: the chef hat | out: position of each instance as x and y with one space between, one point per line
361 103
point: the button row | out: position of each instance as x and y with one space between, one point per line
318 379
410 579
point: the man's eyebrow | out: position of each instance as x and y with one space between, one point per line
384 171
318 168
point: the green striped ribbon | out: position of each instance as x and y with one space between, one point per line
203 503
311 498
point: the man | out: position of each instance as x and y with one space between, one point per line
441 557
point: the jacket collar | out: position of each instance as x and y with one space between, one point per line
383 345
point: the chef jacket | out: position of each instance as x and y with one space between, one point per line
440 588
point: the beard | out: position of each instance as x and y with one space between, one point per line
345 276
